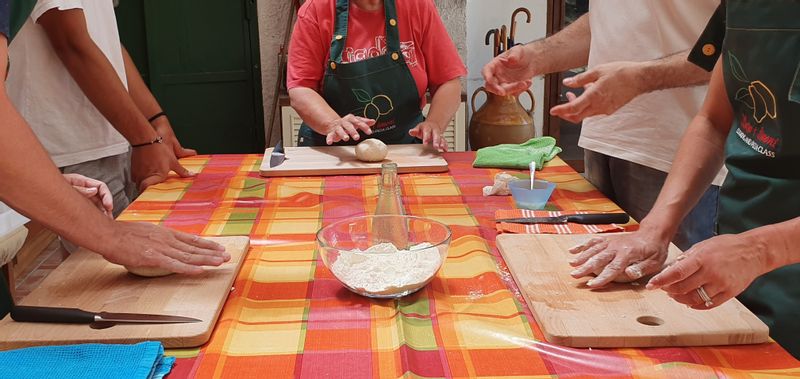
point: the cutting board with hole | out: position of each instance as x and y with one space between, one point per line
341 160
87 281
620 315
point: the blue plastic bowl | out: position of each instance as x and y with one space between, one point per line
531 199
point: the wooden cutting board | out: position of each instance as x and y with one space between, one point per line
341 160
621 315
87 281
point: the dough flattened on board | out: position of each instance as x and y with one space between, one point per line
89 282
620 315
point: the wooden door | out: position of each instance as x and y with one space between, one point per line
201 60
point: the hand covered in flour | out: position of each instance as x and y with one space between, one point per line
347 127
94 190
620 258
431 134
607 88
510 73
724 265
150 246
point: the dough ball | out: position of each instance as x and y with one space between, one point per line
148 272
371 150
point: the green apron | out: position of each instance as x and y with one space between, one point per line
761 56
380 88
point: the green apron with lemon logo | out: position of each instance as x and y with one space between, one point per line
380 88
761 60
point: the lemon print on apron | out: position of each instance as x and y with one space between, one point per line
376 106
756 96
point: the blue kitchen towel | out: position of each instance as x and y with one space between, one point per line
144 360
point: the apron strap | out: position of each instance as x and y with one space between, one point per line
342 20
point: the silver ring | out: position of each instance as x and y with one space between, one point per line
704 296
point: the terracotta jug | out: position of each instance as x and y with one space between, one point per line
502 119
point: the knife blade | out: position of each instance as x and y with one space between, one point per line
61 315
278 155
587 218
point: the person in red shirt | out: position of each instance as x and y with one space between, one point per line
361 68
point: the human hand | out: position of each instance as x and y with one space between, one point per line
146 245
608 87
347 127
724 266
164 129
626 257
430 134
509 73
151 164
94 190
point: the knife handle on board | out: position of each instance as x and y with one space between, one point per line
599 218
22 313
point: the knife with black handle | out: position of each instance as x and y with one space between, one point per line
587 218
100 320
50 314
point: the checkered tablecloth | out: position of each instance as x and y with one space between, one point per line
288 317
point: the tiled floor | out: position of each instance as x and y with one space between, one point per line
50 258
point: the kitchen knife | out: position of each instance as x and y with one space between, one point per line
588 218
278 156
99 320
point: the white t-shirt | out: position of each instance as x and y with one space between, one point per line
647 130
68 124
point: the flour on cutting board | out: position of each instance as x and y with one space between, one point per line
383 269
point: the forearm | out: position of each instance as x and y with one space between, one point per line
444 103
698 160
562 51
670 72
94 74
101 85
313 109
40 192
141 95
777 243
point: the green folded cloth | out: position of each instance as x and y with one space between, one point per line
539 150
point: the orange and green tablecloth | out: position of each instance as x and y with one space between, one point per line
288 317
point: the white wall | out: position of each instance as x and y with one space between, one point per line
483 15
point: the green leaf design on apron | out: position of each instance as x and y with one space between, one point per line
736 69
362 96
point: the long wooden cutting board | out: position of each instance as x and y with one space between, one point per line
621 315
341 160
87 281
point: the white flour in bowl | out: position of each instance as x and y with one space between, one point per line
384 270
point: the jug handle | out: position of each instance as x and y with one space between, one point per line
475 96
533 101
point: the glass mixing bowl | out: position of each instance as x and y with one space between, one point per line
384 256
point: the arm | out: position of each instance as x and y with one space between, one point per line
725 265
321 118
612 85
698 160
444 105
511 72
95 75
148 106
41 193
